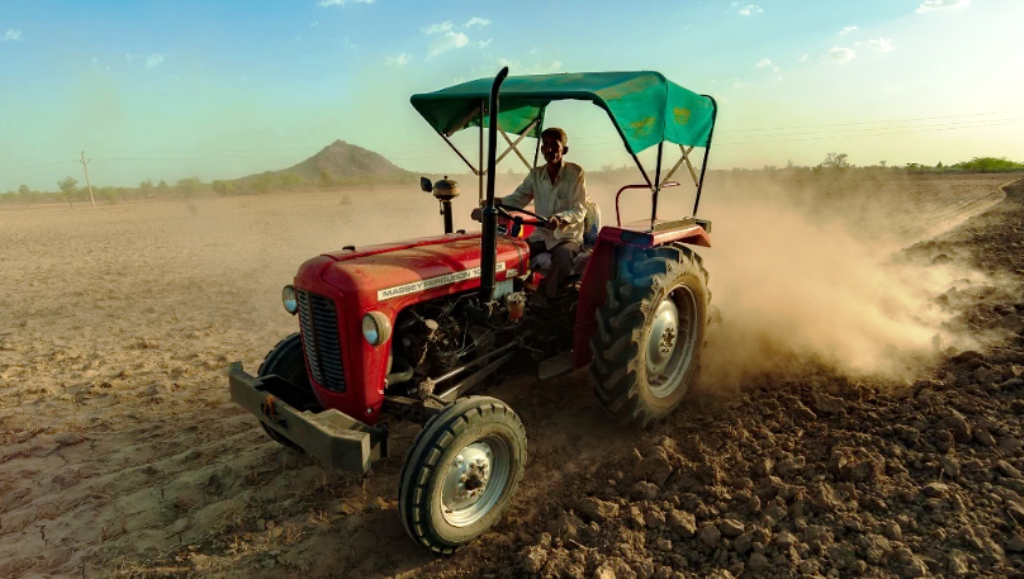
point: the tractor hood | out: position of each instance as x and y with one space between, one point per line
390 276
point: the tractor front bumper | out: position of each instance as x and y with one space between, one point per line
337 439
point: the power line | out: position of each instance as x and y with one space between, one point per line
833 137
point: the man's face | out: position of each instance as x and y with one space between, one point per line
553 150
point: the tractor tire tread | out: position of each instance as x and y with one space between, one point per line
620 324
427 448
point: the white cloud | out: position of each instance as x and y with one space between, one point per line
740 85
484 43
12 35
879 44
153 61
848 29
841 55
130 58
515 68
435 28
750 9
763 63
805 57
314 23
476 21
400 60
326 3
932 5
447 41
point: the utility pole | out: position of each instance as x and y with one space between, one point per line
85 166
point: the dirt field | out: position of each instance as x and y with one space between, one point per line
823 438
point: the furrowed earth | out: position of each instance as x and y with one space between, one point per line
122 455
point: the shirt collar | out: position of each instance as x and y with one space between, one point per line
547 175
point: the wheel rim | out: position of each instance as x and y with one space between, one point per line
475 481
670 343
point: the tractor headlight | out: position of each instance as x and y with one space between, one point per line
376 328
288 299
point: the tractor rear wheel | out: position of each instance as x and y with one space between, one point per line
287 361
461 473
650 334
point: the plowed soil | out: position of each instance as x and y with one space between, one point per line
877 434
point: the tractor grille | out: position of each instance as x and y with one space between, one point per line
318 321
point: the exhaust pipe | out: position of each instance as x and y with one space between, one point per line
489 217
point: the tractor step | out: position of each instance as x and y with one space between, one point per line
555 366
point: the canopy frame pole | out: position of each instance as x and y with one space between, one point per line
642 172
657 188
686 157
536 152
459 153
513 146
480 174
707 152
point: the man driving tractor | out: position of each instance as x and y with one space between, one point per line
559 193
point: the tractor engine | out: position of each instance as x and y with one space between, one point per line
434 338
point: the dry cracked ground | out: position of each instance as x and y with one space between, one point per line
122 457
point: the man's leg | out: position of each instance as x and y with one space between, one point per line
562 257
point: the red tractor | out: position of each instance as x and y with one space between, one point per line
404 331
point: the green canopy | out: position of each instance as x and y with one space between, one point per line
645 107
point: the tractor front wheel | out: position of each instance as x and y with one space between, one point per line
287 361
461 473
650 334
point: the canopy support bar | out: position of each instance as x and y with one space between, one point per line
686 157
512 146
642 172
657 188
707 152
459 153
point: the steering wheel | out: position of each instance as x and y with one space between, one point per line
507 213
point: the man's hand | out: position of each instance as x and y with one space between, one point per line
554 221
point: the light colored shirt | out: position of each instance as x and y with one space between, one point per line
565 197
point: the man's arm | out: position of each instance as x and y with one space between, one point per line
577 210
522 196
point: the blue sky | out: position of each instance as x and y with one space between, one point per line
169 89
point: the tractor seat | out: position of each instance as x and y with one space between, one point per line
592 226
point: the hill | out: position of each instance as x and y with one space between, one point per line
343 160
339 163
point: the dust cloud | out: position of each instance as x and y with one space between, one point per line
796 279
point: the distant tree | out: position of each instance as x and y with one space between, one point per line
291 181
882 163
146 188
108 193
789 164
939 166
325 178
836 161
223 187
67 186
989 164
26 194
263 183
162 187
189 186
